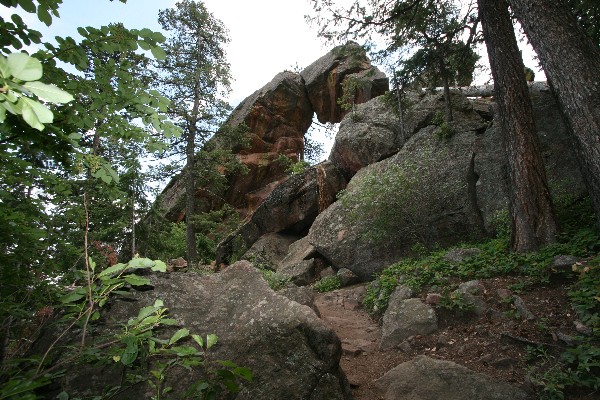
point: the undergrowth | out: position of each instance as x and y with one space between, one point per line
578 367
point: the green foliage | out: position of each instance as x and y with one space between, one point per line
291 167
351 86
327 284
275 280
391 201
445 131
455 301
494 260
19 83
137 345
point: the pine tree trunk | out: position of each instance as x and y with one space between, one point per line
571 61
532 216
190 197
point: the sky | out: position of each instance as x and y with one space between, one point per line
267 36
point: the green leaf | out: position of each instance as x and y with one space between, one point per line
50 93
183 351
158 53
181 333
168 321
4 71
198 340
2 113
159 266
140 262
24 67
27 5
135 280
244 373
74 296
144 45
112 270
145 311
44 16
130 353
35 113
158 303
211 340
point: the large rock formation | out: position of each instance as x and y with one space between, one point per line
277 116
292 207
435 191
325 81
292 353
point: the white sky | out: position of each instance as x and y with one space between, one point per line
267 36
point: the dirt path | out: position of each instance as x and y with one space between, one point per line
494 343
360 334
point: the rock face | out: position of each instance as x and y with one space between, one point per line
371 133
325 77
425 378
436 191
292 207
291 352
277 116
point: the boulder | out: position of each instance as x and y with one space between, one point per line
292 354
298 251
324 80
369 134
435 191
270 249
302 273
406 318
303 295
291 207
425 378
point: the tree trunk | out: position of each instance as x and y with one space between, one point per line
190 197
447 98
571 61
530 206
133 237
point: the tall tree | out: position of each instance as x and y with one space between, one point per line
571 61
195 76
532 216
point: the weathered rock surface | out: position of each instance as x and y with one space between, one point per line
270 249
406 318
372 132
277 116
435 191
292 206
425 378
324 79
291 352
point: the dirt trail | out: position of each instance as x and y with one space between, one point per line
494 343
360 334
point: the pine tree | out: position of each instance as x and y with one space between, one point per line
195 77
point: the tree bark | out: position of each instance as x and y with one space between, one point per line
530 206
571 61
190 197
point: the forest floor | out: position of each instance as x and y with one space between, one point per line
501 343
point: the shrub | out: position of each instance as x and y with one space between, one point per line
328 284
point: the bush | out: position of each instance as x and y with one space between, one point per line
328 284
